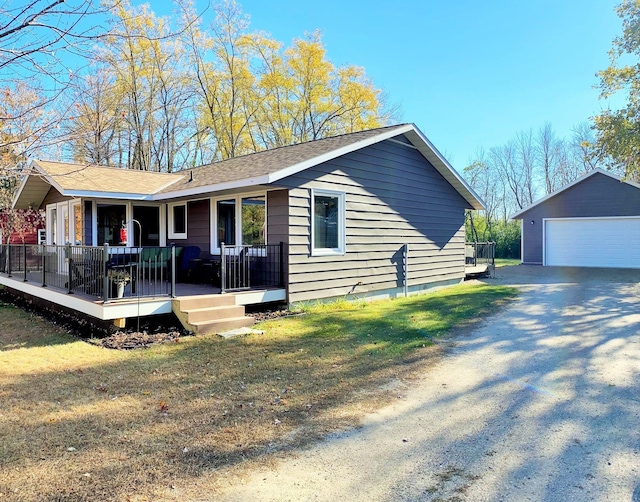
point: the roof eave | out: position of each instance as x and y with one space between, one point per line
430 153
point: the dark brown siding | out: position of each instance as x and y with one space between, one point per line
53 197
393 197
597 195
198 224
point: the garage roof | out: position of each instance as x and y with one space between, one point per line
519 214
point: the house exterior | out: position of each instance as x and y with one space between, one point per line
370 214
592 222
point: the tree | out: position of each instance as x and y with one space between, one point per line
254 94
618 131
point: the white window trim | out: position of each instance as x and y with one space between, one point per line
342 222
214 244
172 234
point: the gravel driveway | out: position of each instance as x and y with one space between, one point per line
540 403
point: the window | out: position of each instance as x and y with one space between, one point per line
226 217
178 221
253 220
239 220
111 218
77 224
327 223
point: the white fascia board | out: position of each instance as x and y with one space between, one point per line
586 175
107 195
35 170
18 193
296 168
426 149
288 171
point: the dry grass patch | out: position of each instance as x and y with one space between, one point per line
80 422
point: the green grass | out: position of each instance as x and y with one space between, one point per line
507 262
140 421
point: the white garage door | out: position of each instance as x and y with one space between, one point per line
593 242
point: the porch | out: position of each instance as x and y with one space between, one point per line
480 259
116 283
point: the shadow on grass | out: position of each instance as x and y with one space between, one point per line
20 329
138 420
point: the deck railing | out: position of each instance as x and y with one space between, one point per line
98 271
110 272
480 253
251 267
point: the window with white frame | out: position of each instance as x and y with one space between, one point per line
239 220
178 221
327 222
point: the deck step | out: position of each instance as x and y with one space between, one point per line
222 325
214 313
211 313
204 301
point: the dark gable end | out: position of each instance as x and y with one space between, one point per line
394 196
597 195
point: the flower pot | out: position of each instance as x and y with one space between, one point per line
117 289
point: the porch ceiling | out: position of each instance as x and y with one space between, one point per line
32 193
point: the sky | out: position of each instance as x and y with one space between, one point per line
470 74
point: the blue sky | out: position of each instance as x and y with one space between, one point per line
469 74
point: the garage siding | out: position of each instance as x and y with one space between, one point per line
393 196
598 195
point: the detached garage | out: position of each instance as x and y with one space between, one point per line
593 222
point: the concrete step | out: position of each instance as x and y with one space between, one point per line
214 313
222 325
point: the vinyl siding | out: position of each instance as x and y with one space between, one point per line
597 195
393 197
198 226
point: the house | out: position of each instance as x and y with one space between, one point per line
376 213
592 222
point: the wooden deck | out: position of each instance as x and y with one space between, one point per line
133 306
478 271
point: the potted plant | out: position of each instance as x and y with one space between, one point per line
119 278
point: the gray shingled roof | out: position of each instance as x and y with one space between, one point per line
264 163
262 168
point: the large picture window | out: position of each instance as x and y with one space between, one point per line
327 223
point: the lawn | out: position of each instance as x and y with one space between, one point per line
507 262
80 422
